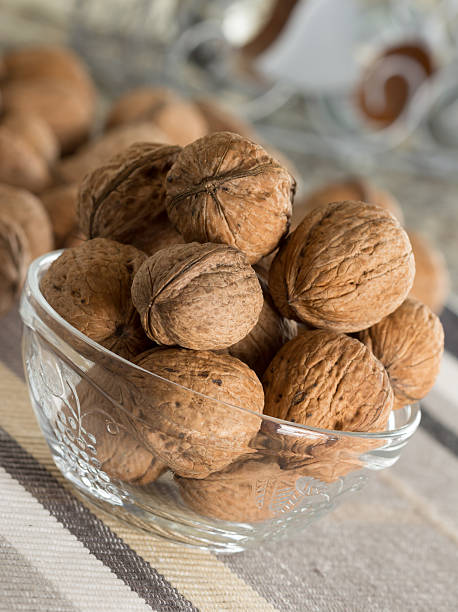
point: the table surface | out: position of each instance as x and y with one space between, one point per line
392 547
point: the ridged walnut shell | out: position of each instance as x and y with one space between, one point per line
35 132
121 199
345 267
328 380
349 189
89 286
26 209
14 260
410 343
179 119
98 152
199 296
225 188
431 284
162 234
266 338
68 115
248 491
60 203
193 426
20 165
120 455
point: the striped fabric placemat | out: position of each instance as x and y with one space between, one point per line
392 547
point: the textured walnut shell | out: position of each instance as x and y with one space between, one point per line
220 119
345 267
349 189
225 188
34 130
60 203
431 283
24 208
249 491
121 199
162 234
89 286
177 118
266 338
328 380
98 152
20 165
68 115
199 296
410 343
14 259
181 423
49 62
121 456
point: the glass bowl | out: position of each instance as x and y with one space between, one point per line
100 416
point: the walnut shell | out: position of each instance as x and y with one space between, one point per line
98 152
68 115
328 380
177 118
181 423
431 284
23 207
220 119
34 130
410 343
14 260
20 165
121 199
199 296
89 286
225 188
345 267
121 456
60 203
266 338
49 62
249 491
348 189
162 235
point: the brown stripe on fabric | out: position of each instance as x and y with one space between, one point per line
438 431
23 587
449 321
97 537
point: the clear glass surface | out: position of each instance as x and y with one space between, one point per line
102 418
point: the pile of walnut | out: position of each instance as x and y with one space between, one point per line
174 276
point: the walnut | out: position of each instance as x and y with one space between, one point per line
121 456
20 165
49 62
33 130
200 296
89 286
431 283
68 115
23 207
121 199
345 267
60 203
193 426
266 338
98 152
14 259
180 120
227 189
162 235
248 491
328 380
220 119
348 189
410 343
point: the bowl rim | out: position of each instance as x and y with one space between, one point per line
39 265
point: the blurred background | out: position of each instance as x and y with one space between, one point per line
366 89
